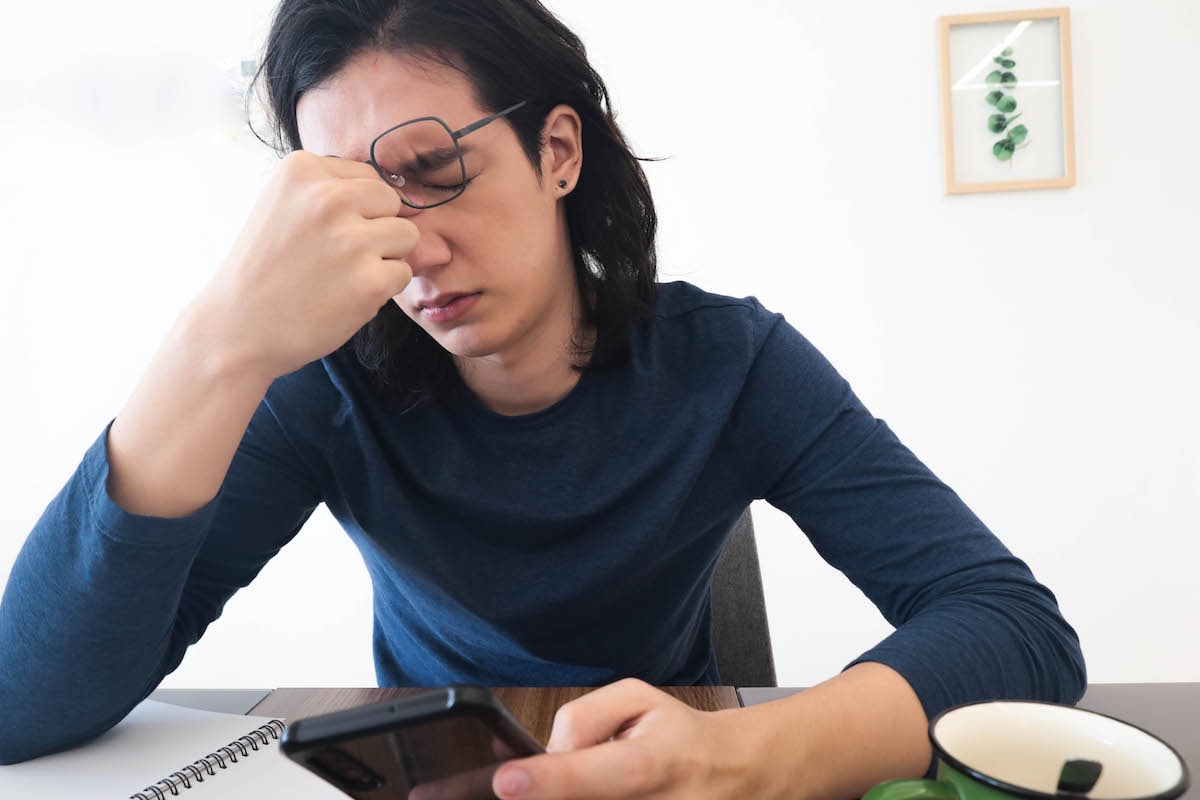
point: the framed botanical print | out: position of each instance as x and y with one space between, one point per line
1007 104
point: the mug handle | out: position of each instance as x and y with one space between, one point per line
913 789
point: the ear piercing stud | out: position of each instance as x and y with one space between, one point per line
562 184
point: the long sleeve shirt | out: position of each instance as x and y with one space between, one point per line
571 546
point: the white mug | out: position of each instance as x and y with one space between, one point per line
1006 749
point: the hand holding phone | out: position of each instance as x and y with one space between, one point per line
444 743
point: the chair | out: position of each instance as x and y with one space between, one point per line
741 637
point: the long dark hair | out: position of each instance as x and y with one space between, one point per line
509 50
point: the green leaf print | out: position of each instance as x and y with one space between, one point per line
1005 104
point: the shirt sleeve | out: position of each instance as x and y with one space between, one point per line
102 603
971 621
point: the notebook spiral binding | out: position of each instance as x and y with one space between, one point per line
198 770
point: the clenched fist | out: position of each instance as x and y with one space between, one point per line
320 253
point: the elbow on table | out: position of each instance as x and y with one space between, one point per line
1053 666
26 734
1074 682
14 751
16 747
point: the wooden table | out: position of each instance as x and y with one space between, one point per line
1168 710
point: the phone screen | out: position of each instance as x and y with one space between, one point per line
450 759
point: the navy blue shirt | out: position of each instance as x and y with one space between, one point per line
571 546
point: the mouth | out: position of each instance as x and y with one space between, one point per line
442 300
447 307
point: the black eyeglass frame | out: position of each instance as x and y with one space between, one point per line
454 137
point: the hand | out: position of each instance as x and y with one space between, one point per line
630 740
319 255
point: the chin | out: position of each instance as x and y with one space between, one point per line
467 344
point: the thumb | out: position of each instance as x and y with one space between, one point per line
609 771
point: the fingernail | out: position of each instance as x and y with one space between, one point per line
513 781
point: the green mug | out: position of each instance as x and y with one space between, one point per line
1004 749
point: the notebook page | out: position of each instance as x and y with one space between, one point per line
155 740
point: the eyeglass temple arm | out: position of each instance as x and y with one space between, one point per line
474 126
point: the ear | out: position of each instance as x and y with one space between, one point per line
562 150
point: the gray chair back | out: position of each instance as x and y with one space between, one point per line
741 637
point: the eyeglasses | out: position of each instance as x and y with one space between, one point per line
422 158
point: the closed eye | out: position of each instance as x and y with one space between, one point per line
452 188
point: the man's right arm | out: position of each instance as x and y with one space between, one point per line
195 485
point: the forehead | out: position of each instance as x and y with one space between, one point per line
375 91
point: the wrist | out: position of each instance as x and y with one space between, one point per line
770 751
204 332
839 738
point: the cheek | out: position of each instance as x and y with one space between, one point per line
522 234
516 208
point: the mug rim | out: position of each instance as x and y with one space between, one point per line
1175 791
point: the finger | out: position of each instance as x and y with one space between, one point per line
396 236
399 274
475 784
619 769
374 199
347 168
601 714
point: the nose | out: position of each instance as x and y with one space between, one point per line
432 250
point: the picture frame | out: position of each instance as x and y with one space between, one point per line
1008 120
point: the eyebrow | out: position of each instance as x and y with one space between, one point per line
439 157
432 159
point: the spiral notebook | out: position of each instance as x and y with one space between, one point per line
165 751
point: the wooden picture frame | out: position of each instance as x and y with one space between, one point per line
1008 121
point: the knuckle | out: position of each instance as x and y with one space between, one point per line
403 278
296 162
570 729
299 156
387 195
394 276
380 285
632 685
566 720
327 199
407 233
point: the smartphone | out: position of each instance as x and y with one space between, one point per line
443 743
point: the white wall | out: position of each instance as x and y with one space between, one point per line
1038 349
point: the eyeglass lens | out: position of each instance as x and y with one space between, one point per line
422 161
